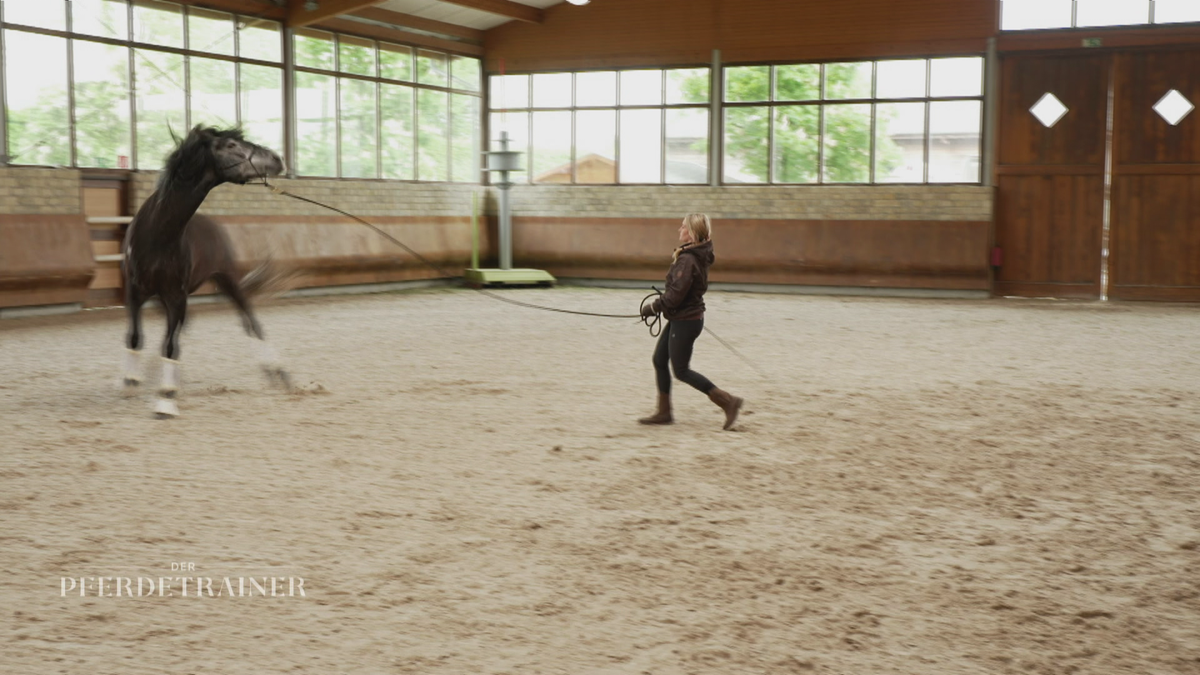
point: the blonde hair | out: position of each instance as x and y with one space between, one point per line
701 228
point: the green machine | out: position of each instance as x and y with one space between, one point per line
501 162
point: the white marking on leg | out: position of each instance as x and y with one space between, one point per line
267 356
131 371
165 407
170 376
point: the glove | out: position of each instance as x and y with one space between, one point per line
648 310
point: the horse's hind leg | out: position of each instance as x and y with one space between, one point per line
131 372
175 305
269 360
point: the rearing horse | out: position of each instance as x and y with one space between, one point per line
170 251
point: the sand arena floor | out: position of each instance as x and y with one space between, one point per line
919 487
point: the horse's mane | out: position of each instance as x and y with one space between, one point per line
188 161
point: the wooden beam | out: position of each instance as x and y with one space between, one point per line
260 8
512 10
409 21
371 30
298 16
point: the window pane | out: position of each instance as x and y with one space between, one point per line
688 85
900 79
687 145
161 105
316 127
432 68
395 62
596 146
314 49
158 23
641 87
464 73
260 39
1112 12
847 139
796 151
356 55
1176 11
210 31
954 141
747 83
956 77
596 89
358 128
213 100
40 13
38 119
552 90
798 82
465 148
517 127
509 91
102 134
641 146
900 143
396 131
106 18
847 80
262 105
433 125
746 151
1028 14
551 160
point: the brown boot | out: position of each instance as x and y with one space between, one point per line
728 402
663 416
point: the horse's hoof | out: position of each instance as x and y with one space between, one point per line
165 409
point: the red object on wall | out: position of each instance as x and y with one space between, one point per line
997 256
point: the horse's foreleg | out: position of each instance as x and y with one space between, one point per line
268 358
168 390
131 372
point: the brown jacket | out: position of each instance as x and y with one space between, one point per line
687 280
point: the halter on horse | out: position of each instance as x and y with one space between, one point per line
170 251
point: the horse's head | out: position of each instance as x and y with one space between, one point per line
222 156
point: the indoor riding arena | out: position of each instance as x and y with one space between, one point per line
955 284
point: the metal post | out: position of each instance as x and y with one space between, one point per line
505 214
716 141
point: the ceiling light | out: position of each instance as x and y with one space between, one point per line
579 2
311 5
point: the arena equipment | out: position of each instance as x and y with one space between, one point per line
500 162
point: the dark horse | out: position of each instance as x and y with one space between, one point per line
170 251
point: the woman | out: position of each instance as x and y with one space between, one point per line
683 306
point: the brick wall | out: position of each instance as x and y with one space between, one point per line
362 198
833 202
40 191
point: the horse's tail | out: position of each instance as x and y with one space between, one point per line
268 279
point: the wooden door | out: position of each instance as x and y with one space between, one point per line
1050 179
1155 221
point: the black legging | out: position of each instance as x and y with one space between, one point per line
675 348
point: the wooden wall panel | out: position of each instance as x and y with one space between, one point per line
1156 240
1050 185
44 259
1141 135
861 253
1080 82
1050 235
616 33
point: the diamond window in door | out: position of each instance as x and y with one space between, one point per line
1173 107
1048 110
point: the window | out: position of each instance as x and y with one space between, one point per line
894 121
368 109
604 127
1049 14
